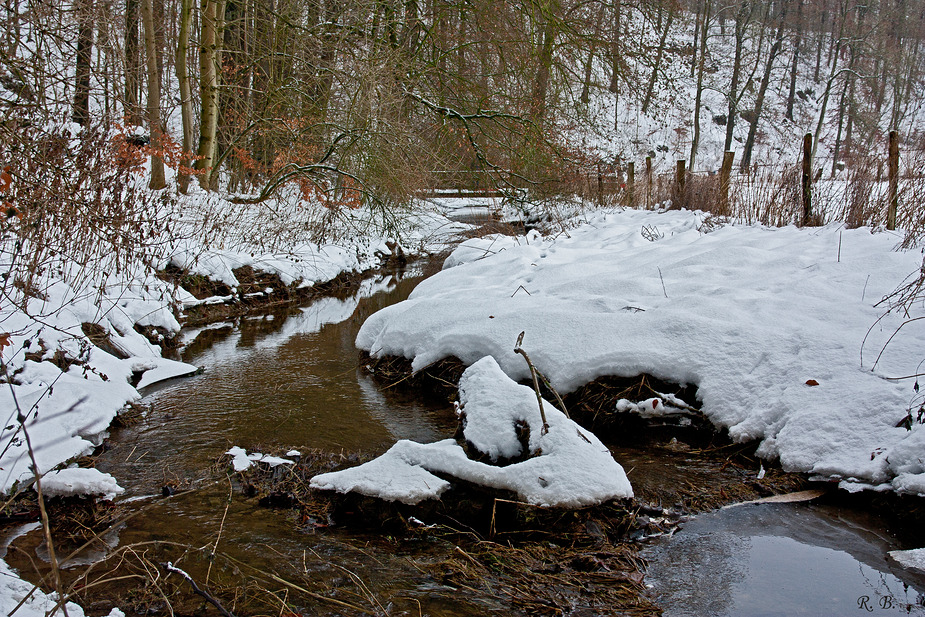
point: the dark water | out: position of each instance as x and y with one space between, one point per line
292 380
779 560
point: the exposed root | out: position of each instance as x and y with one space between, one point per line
593 405
439 379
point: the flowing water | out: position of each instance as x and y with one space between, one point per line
292 380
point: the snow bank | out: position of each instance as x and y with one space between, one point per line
69 404
79 481
570 467
753 316
911 560
13 589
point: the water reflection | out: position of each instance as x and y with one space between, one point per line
784 559
285 380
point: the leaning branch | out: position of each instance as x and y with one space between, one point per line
536 381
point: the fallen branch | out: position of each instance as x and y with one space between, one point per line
205 594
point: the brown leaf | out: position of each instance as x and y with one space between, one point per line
812 382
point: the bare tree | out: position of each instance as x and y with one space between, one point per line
157 180
762 90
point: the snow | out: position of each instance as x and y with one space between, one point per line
912 560
13 589
569 466
161 369
241 460
79 481
748 314
67 412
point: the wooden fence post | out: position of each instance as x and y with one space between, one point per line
631 184
807 178
893 173
648 182
680 177
724 173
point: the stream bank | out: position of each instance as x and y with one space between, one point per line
291 379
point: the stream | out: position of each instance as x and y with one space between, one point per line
292 380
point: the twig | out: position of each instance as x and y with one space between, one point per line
205 594
519 287
291 585
536 383
46 526
664 291
220 528
555 392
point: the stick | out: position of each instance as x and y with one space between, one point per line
536 382
205 594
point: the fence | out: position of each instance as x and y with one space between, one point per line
872 190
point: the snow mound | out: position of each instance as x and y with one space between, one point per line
772 325
569 466
14 590
79 481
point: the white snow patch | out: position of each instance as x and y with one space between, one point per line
241 460
911 560
79 481
570 466
162 369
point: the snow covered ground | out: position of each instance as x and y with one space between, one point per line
780 329
752 315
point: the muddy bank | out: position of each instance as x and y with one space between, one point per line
504 554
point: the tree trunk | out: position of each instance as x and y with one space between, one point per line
695 141
81 110
154 98
901 102
658 61
211 14
585 97
697 17
759 99
615 66
841 123
741 23
541 83
132 104
820 38
186 93
12 29
797 41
